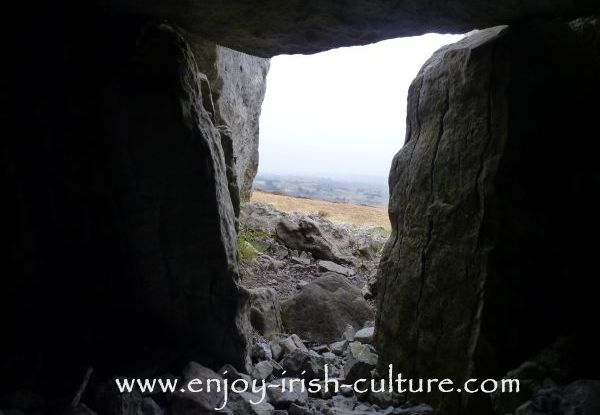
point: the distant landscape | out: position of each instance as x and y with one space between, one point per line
371 216
371 191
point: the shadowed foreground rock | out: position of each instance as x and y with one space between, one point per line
130 251
488 195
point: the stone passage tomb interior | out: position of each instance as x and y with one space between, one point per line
130 155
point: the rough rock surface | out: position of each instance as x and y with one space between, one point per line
265 311
270 27
362 359
304 363
322 309
306 235
237 83
472 280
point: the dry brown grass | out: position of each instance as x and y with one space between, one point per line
335 212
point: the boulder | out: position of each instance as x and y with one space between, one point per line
323 309
307 236
333 267
204 402
365 335
261 351
298 342
276 350
287 345
265 311
248 403
473 280
293 393
349 333
361 361
338 348
369 290
262 370
304 364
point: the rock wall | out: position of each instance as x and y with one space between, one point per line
237 84
490 195
124 247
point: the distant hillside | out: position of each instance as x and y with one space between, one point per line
360 191
375 216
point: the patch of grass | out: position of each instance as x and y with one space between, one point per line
250 243
323 213
378 246
379 231
246 252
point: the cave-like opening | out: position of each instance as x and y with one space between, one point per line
312 233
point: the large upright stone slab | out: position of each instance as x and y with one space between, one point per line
489 195
237 84
125 258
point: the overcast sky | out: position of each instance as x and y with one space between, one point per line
340 112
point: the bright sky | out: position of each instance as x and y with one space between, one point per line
340 112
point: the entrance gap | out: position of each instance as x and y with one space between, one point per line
330 125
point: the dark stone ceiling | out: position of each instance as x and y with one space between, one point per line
271 27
